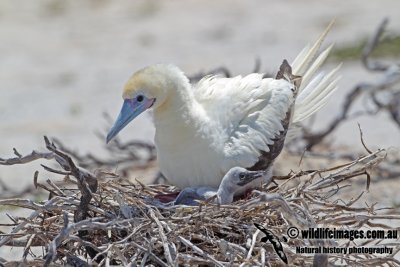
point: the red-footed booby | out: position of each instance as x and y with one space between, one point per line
204 130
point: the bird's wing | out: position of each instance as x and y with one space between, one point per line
251 116
189 196
245 114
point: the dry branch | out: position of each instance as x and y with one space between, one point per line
388 83
121 223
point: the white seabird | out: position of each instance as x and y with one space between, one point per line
204 130
234 180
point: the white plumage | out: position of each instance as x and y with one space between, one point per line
204 130
230 122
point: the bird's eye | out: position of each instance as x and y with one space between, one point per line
139 98
241 176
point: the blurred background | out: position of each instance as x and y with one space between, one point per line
64 63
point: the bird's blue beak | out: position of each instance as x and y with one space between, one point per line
131 108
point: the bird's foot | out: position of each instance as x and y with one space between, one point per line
166 198
247 194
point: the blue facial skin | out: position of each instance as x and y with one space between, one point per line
131 108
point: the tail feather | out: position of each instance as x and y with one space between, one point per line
300 56
315 67
316 88
316 96
310 87
305 60
321 89
317 103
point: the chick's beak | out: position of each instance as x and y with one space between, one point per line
131 108
250 176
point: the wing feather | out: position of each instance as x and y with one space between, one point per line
249 114
246 113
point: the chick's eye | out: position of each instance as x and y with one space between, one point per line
241 176
139 98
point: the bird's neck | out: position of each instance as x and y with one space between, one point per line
225 193
180 114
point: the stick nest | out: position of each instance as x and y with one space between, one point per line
89 220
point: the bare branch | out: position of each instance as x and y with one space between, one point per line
35 155
390 78
371 45
362 139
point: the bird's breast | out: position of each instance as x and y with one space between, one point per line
189 160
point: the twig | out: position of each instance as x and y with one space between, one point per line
35 155
164 239
390 77
371 45
199 251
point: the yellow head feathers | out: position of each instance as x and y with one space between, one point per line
154 82
147 82
161 87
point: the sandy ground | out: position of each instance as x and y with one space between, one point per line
62 64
